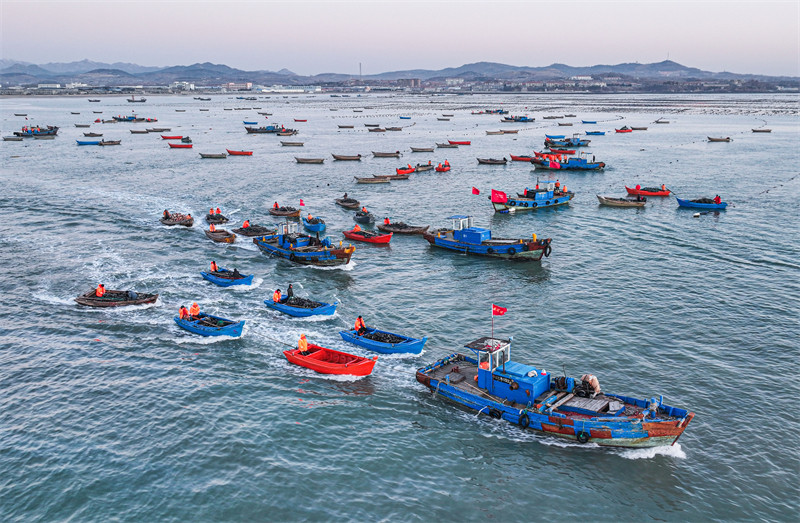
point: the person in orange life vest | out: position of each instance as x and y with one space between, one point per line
212 228
360 326
409 166
717 199
447 163
194 310
211 212
364 209
663 187
183 313
302 345
188 216
166 214
638 186
100 290
558 184
309 217
429 162
218 211
214 267
386 221
275 205
246 224
276 296
357 228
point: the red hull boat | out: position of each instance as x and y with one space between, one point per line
239 153
442 169
452 142
329 361
406 171
367 236
296 120
562 151
647 191
521 158
624 130
171 137
180 145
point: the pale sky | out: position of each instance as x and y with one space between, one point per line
310 37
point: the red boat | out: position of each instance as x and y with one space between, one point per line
180 145
624 130
239 153
521 158
296 120
329 361
648 191
453 142
171 137
441 168
367 236
406 170
562 151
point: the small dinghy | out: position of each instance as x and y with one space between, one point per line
459 142
221 236
329 361
216 219
115 299
180 145
402 228
702 203
620 202
362 217
395 154
491 161
220 156
648 191
384 342
422 167
346 158
176 218
239 153
368 236
225 278
314 224
309 160
301 307
288 212
422 149
255 230
208 325
348 203
374 179
726 139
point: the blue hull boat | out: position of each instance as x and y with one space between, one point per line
250 123
533 199
696 205
555 136
314 227
595 133
566 143
224 278
404 344
405 118
588 121
489 382
324 309
466 238
208 325
89 142
572 164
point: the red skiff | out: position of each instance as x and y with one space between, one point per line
646 192
406 171
239 153
441 169
367 236
296 120
562 151
624 130
521 158
329 361
180 145
171 137
452 142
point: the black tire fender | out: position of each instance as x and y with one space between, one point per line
292 256
496 414
525 247
524 421
547 251
512 251
583 436
490 250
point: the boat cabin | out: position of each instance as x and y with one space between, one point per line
464 230
500 376
546 191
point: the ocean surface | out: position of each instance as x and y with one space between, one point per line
119 415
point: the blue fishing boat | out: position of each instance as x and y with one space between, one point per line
250 123
385 342
702 203
208 325
575 141
555 136
50 130
569 164
465 237
88 142
225 278
302 307
489 382
314 225
588 121
595 133
405 118
303 249
544 195
518 119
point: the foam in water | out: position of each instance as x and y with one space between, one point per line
674 451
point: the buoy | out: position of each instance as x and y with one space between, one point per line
696 215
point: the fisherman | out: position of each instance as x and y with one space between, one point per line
302 345
218 211
246 224
558 184
357 228
236 274
717 199
446 163
166 214
212 228
309 217
211 212
194 311
275 205
386 221
663 187
364 209
276 296
183 313
289 293
344 197
360 326
100 291
591 381
214 267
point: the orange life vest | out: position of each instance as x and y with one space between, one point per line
276 296
302 345
386 221
364 210
360 324
357 228
214 267
212 228
183 313
99 291
246 224
275 205
194 310
211 211
218 211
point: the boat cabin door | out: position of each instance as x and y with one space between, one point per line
287 228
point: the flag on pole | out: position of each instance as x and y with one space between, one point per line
499 197
475 190
301 202
498 310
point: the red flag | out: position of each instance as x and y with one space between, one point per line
555 165
301 202
499 197
498 310
475 190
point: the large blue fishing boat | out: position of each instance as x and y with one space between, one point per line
571 163
302 248
575 141
574 409
542 196
384 342
208 325
465 237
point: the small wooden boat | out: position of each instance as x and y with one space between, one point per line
447 146
422 149
12 138
521 158
227 278
345 126
509 131
109 142
727 139
402 228
661 120
299 120
82 125
164 137
624 129
442 168
345 158
620 202
371 125
494 133
208 325
88 142
93 100
589 121
180 110
594 133
395 154
405 118
762 130
133 99
255 230
216 219
384 342
239 153
422 167
374 179
562 151
365 218
213 155
447 115
368 236
20 114
377 130
569 116
443 119
221 236
457 142
139 131
491 161
328 361
309 160
702 203
301 307
287 212
314 224
639 128
565 124
176 218
392 176
348 203
648 191
288 132
180 145
159 130
115 299
46 137
291 144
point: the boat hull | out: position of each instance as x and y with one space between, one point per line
529 204
314 227
377 238
226 282
643 192
233 329
694 205
325 309
89 299
320 258
328 361
507 251
407 346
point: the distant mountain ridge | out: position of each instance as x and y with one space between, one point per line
98 73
